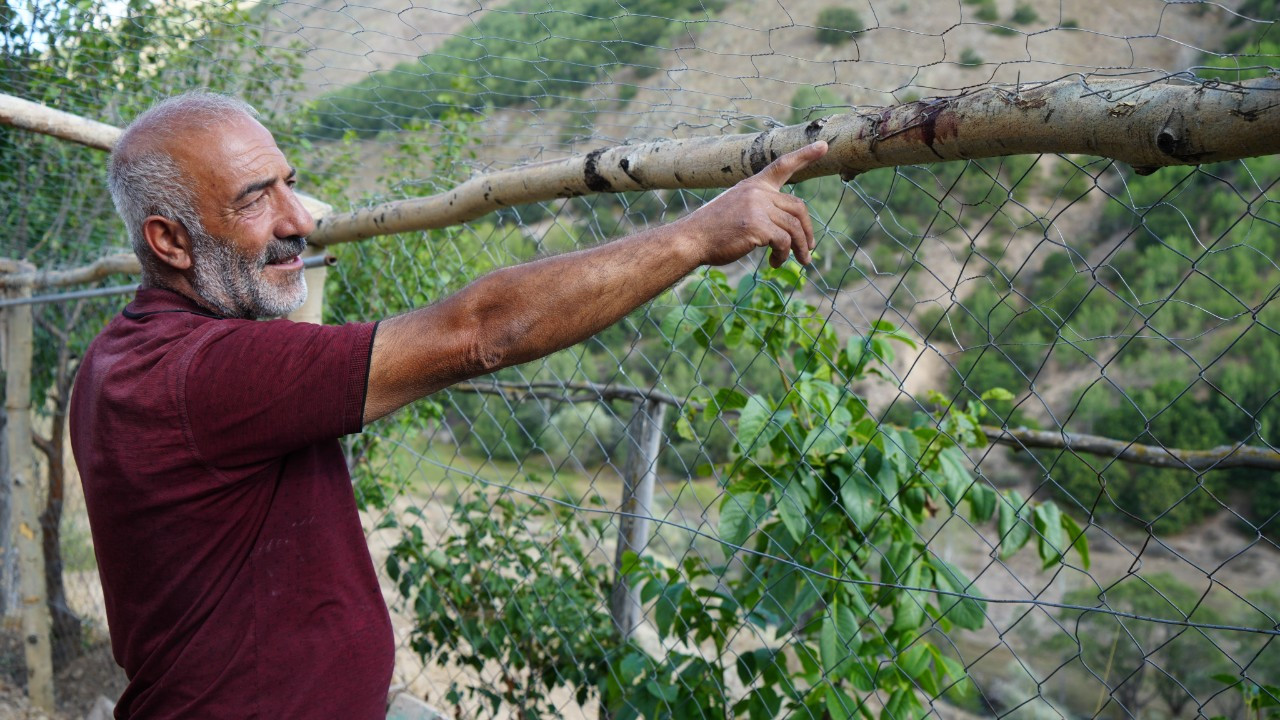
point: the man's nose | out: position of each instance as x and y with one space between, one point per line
295 221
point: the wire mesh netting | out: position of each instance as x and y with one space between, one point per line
1002 450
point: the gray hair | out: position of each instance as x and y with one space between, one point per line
143 177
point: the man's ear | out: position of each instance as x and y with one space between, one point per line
168 240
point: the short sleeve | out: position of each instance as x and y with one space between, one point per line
256 391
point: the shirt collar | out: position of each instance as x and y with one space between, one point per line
150 301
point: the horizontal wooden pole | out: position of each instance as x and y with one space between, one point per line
1148 126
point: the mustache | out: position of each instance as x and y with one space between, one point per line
284 248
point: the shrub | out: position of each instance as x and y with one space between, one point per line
987 11
1024 14
970 58
837 25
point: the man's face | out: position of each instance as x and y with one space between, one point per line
246 257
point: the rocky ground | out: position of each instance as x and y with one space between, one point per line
78 686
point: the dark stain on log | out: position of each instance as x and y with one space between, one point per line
625 164
591 173
759 159
726 169
929 126
812 129
1170 143
1245 115
1048 115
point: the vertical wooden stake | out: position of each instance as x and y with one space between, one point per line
639 475
24 506
312 311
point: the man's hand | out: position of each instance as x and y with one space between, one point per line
756 213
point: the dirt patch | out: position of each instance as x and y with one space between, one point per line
76 687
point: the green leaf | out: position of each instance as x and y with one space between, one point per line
953 673
630 562
829 648
996 394
793 516
740 515
1013 527
669 693
680 323
982 502
664 611
724 400
685 429
886 328
755 425
438 560
914 662
632 668
955 476
908 613
839 705
860 498
966 613
1078 539
1052 541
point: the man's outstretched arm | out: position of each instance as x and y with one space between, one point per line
524 312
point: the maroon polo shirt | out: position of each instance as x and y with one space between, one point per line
237 579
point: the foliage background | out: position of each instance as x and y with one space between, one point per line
828 524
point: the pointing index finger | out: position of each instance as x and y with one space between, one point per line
778 172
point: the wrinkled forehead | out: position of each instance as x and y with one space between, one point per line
216 155
229 155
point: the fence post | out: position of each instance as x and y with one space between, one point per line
312 311
23 502
638 477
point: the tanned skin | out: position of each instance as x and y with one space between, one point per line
244 191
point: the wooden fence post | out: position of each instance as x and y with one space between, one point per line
312 311
24 503
639 475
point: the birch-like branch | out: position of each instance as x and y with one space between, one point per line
1219 458
35 117
1148 126
123 263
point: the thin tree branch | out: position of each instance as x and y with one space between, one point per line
43 443
1219 458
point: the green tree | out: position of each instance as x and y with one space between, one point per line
1141 661
106 61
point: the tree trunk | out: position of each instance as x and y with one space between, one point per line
9 607
66 642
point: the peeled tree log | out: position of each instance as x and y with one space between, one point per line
1149 126
35 117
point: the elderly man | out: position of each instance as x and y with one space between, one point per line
235 571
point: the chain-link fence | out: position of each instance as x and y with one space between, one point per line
1003 450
